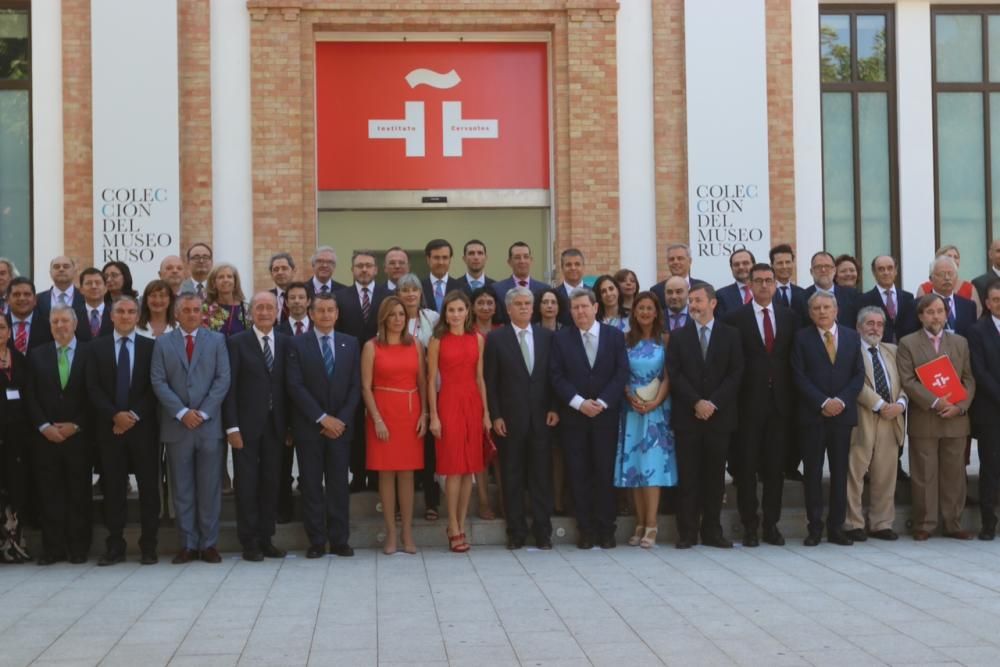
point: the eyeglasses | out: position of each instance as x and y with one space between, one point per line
200 258
763 281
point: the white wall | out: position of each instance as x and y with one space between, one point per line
807 135
47 135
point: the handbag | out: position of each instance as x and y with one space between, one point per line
489 448
649 391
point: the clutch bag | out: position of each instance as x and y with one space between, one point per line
649 391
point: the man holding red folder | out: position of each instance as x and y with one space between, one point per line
938 420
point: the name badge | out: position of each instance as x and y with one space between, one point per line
13 395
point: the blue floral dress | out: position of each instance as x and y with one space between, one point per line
646 455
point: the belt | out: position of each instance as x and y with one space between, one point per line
408 392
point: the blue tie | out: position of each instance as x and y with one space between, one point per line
123 378
327 355
476 284
951 314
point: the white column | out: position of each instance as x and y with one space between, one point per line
636 167
46 132
915 120
807 135
232 183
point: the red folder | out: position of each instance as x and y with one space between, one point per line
940 378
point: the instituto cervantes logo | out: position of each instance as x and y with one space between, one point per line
454 128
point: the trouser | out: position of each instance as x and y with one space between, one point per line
526 462
701 473
762 452
17 478
833 442
877 458
196 486
325 512
590 465
937 482
256 483
432 492
63 475
989 476
139 452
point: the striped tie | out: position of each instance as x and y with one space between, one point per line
366 304
327 355
268 356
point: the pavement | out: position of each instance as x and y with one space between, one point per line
898 603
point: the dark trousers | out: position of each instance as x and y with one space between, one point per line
835 443
989 476
762 441
285 503
63 474
701 471
325 512
526 462
432 492
256 482
140 453
590 465
16 443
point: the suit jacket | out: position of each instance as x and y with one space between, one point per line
286 327
350 320
798 300
256 393
916 350
728 299
868 419
334 287
39 331
13 411
765 373
571 374
906 313
313 394
83 325
102 381
429 302
965 315
982 283
463 284
715 378
659 290
46 400
847 306
200 384
565 316
984 350
817 379
522 399
501 287
43 305
190 286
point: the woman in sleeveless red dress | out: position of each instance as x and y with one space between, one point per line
392 385
458 416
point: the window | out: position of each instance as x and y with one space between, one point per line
966 84
857 83
15 134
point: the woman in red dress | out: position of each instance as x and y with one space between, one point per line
458 410
392 385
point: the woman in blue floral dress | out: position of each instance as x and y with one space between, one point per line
646 459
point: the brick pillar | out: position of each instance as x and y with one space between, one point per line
781 153
195 131
78 217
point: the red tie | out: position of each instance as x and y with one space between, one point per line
190 347
298 328
284 306
522 283
768 332
746 294
21 339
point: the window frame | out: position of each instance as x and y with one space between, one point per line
26 84
855 87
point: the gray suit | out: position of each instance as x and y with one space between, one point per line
189 285
193 455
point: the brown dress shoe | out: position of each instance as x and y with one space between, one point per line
184 556
961 535
211 555
921 535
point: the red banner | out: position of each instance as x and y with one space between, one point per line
424 115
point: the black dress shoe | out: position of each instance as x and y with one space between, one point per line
211 555
253 555
887 534
987 534
185 556
544 543
271 551
812 539
750 537
515 542
717 541
149 558
683 543
342 550
772 535
839 537
110 558
585 543
609 542
858 534
78 559
316 551
50 559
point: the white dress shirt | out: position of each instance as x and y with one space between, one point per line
758 311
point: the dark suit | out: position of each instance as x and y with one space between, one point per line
964 316
62 469
729 298
501 287
659 290
135 450
429 301
314 394
286 327
522 400
795 298
286 502
847 306
83 324
982 283
767 402
984 351
256 405
334 287
39 331
905 321
590 443
702 444
43 304
565 317
463 285
818 380
16 439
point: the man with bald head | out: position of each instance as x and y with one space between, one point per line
254 416
899 306
679 265
62 270
172 272
675 292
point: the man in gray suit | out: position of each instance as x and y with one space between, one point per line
190 376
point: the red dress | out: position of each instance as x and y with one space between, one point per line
394 384
460 407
